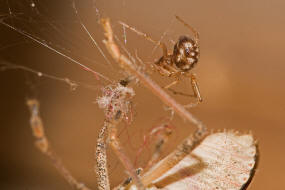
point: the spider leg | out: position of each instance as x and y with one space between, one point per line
146 36
161 70
175 74
195 88
172 84
196 34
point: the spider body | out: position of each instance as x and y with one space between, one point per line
185 56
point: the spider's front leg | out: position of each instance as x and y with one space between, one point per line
146 36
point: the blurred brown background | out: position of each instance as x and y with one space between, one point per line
241 76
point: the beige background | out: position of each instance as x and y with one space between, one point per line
241 76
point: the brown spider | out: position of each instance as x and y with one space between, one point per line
179 63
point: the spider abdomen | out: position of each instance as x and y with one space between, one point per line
185 53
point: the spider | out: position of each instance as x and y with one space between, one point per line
184 58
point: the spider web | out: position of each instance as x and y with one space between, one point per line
73 37
36 24
62 41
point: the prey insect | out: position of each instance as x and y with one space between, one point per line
180 62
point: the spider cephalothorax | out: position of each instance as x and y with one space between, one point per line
185 54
